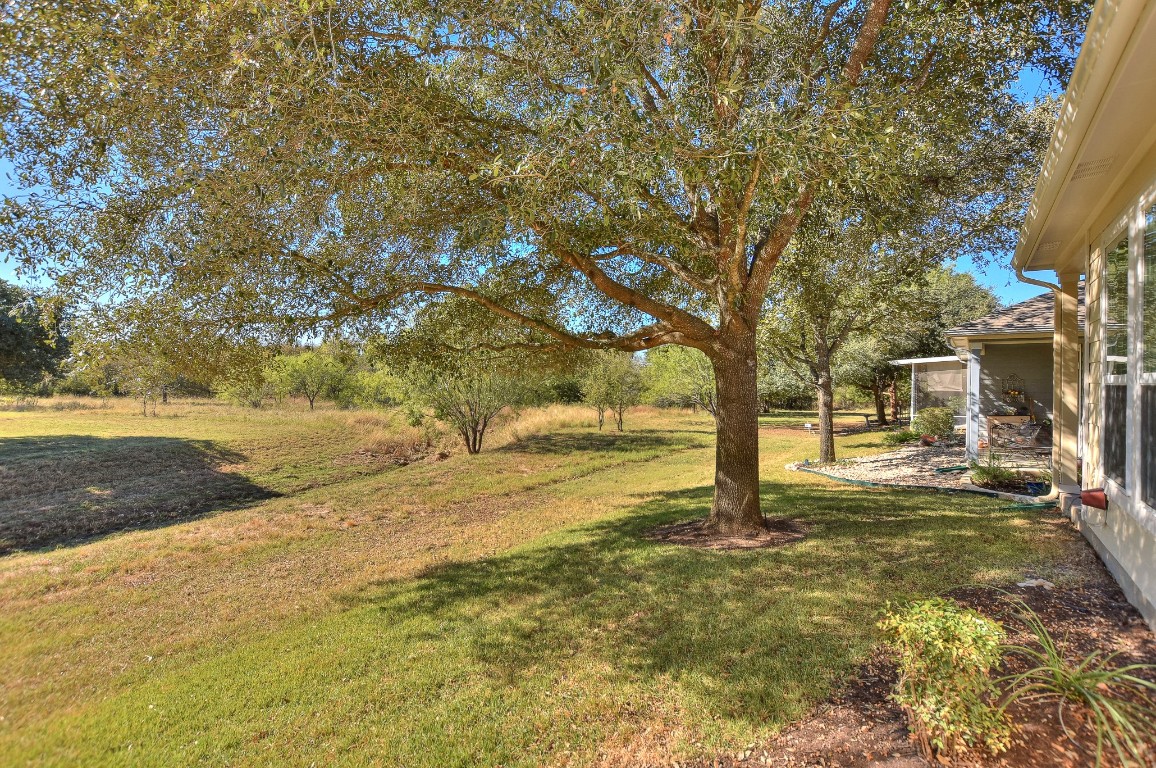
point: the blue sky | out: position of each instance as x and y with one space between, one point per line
997 275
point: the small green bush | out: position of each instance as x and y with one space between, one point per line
992 473
945 653
900 437
938 422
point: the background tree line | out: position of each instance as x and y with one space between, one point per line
443 368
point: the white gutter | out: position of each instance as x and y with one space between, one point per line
1055 289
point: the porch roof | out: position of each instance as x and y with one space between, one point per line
1034 317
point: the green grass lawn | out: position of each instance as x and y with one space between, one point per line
291 599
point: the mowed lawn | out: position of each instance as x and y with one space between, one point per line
290 595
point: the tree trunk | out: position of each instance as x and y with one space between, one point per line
736 507
601 418
894 391
880 406
826 390
619 413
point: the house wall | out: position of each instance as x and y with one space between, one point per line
1032 362
1124 535
1128 548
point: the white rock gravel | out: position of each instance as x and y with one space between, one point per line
910 465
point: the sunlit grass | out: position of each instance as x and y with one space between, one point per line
498 609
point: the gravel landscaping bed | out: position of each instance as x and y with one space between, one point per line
910 465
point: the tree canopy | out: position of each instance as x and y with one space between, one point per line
31 344
619 175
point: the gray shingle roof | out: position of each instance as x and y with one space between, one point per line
1032 316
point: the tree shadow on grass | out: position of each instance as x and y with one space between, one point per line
754 636
68 489
608 441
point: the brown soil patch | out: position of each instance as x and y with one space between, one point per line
695 534
391 455
862 727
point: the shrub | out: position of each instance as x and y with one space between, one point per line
900 437
945 653
1118 703
937 422
992 473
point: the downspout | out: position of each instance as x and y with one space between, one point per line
1032 281
1054 493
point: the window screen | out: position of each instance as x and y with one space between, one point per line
1116 431
1148 451
1148 310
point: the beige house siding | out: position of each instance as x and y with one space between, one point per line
1031 362
1129 551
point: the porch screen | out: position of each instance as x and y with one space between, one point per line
941 385
1116 431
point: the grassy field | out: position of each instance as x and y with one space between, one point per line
287 593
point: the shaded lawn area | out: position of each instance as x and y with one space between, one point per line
115 483
511 613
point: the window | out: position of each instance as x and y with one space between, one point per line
1116 432
1147 375
1148 456
1148 307
1115 429
1116 308
1128 324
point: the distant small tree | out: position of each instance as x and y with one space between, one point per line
467 397
864 364
117 360
462 372
276 378
312 374
779 387
147 374
248 388
613 383
679 376
378 387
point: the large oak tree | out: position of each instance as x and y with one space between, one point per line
596 174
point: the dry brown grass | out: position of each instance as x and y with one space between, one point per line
516 426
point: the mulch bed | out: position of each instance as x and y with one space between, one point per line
1019 486
695 534
862 727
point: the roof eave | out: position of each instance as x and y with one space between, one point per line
1104 45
